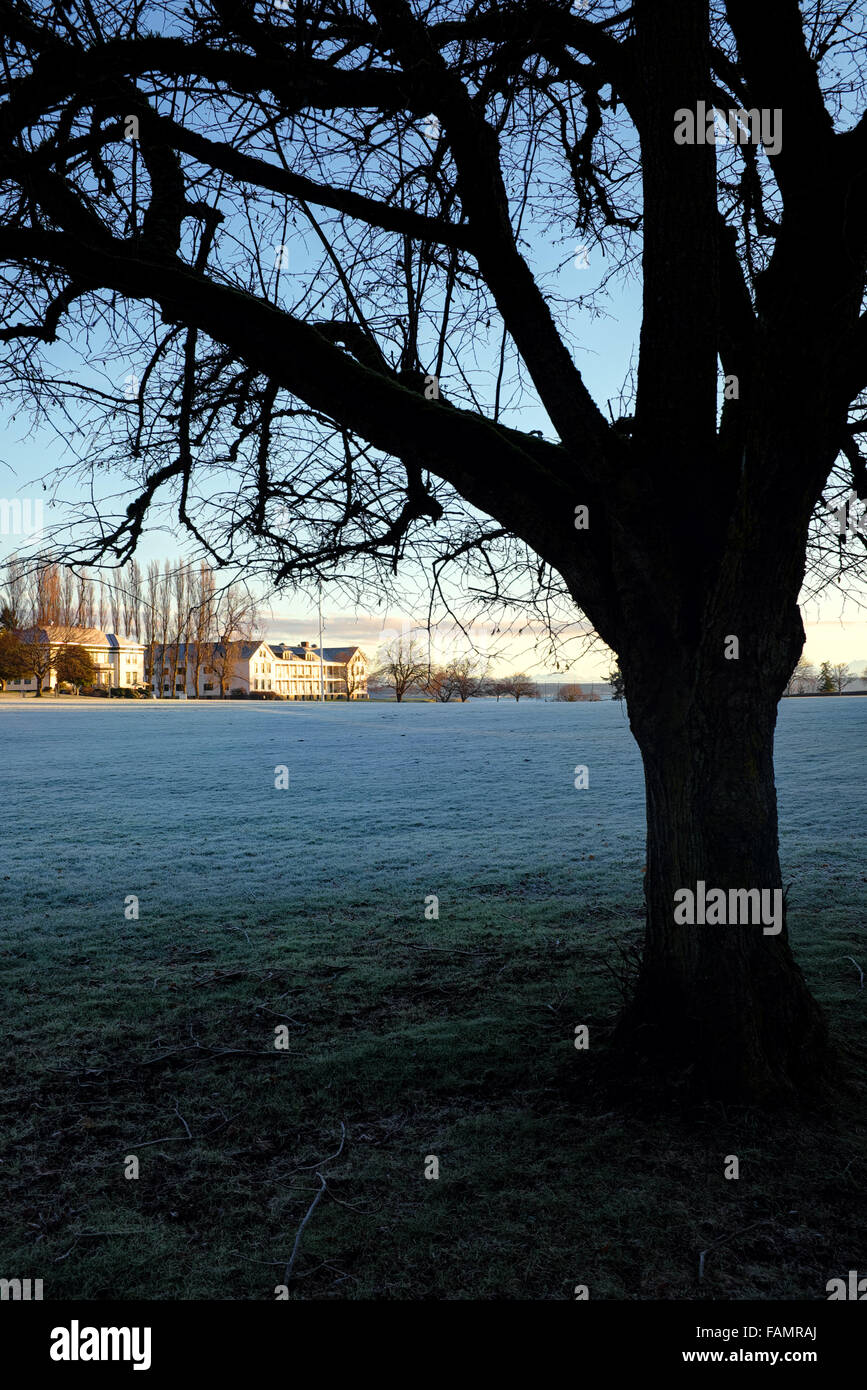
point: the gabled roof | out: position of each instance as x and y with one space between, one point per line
280 651
340 655
244 652
57 633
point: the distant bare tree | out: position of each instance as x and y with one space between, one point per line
132 594
467 674
496 686
38 655
182 626
842 676
45 594
14 598
235 620
352 677
401 665
163 624
84 614
802 679
44 641
438 683
520 687
103 610
68 603
202 620
151 608
115 604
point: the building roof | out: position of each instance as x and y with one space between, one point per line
280 651
336 654
82 636
245 649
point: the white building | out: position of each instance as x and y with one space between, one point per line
118 660
293 673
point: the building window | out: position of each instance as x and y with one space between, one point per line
208 685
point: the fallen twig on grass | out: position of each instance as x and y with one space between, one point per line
764 1221
173 1138
858 968
321 1162
310 1211
452 950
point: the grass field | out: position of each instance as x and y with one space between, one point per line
407 1037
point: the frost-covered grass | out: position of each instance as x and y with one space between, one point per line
305 907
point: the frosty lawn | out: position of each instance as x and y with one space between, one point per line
451 1037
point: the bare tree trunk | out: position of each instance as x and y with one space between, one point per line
203 619
115 606
150 622
164 619
67 599
85 600
724 1000
103 612
182 623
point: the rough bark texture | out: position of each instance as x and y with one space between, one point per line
727 1000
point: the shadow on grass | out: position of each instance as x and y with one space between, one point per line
453 1041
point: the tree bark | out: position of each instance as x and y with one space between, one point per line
727 1003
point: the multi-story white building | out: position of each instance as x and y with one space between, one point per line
118 660
294 673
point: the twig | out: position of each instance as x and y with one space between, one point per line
310 1211
765 1221
172 1138
321 1162
452 950
169 1139
858 968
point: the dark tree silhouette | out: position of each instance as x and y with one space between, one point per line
293 248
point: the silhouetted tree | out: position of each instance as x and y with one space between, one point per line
163 170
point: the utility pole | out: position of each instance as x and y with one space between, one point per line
321 653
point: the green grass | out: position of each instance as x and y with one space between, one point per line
442 1038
